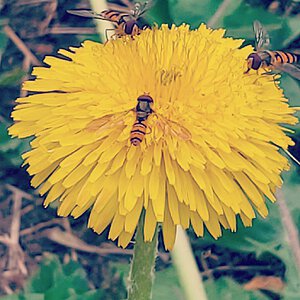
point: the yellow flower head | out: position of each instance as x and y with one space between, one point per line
210 151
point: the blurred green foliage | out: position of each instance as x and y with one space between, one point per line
11 149
11 78
166 282
56 281
228 289
3 37
167 287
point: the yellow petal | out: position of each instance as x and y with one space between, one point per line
150 223
169 231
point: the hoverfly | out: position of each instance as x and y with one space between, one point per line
282 61
138 130
143 111
126 22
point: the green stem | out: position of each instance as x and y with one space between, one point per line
142 266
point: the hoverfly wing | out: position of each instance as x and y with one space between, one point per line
292 70
85 13
140 8
294 51
262 39
106 15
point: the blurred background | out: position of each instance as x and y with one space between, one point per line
46 257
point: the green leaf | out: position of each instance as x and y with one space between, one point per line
4 137
11 148
3 41
93 37
228 10
159 13
167 285
11 78
228 289
242 27
33 297
30 296
292 31
60 291
10 297
291 197
3 37
45 278
291 89
192 12
90 295
60 282
282 30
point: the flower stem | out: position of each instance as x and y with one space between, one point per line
290 227
142 266
219 13
185 263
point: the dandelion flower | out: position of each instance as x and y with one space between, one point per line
211 151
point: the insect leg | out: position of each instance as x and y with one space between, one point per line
154 113
267 72
150 130
106 35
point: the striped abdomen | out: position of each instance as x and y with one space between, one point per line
281 57
138 132
114 15
266 58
